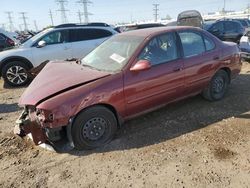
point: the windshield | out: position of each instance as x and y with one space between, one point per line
113 54
31 40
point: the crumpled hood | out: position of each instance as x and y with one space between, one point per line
57 77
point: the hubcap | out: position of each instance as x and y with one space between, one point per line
94 128
218 85
16 75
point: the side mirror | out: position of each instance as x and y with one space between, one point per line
141 65
41 44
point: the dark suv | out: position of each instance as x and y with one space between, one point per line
227 30
5 42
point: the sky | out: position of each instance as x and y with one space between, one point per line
109 11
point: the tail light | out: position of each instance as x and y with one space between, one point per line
10 42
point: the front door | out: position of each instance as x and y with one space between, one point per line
162 83
57 47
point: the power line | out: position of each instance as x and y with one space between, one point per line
63 10
24 18
156 9
51 17
10 18
86 14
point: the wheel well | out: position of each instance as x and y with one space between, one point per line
228 71
10 59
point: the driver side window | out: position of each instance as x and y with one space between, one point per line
56 37
160 49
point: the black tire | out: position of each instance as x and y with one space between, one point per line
90 122
217 86
15 73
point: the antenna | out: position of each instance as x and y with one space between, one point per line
24 18
51 17
10 18
63 10
156 9
86 14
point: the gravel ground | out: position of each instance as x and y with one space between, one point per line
192 143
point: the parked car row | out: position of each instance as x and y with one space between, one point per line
129 74
61 42
6 40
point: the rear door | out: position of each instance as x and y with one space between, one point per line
162 83
199 56
57 47
231 31
85 40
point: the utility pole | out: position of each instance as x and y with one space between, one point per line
35 25
63 10
51 17
156 9
224 7
248 6
10 18
86 14
79 16
24 18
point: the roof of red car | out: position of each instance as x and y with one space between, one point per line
155 30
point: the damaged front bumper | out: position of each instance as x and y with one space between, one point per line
60 138
25 125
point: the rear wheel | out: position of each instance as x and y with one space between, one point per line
93 128
217 86
15 73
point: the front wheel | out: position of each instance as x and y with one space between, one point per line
217 86
93 128
15 73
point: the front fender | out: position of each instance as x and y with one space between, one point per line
68 104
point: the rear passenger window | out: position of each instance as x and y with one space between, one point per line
209 44
192 43
231 27
89 34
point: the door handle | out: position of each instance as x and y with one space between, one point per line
66 48
177 69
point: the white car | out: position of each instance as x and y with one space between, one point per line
245 45
62 42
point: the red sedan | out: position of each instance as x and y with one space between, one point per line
130 74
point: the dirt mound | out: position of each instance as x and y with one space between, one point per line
13 145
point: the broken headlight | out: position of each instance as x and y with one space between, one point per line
44 115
